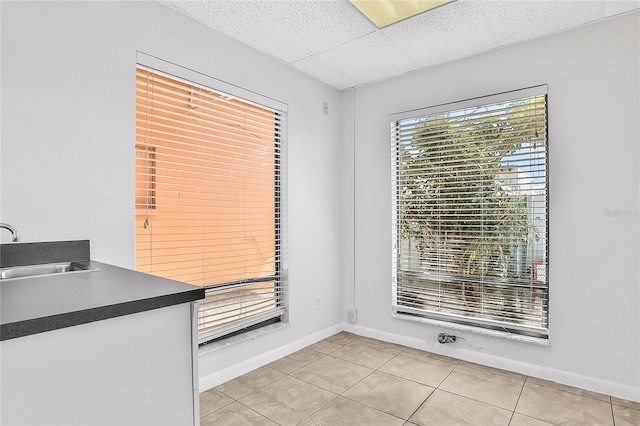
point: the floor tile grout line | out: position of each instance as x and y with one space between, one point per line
290 375
259 413
428 396
239 402
315 385
390 359
293 377
372 407
515 407
328 353
432 356
377 370
412 380
550 387
220 408
306 365
311 384
361 365
390 346
613 415
572 393
359 381
336 395
228 396
306 347
447 376
335 357
535 418
473 399
625 406
489 369
320 408
376 344
408 380
261 387
421 404
318 386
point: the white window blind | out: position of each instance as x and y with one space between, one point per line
470 214
209 198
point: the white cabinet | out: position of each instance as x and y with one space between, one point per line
136 369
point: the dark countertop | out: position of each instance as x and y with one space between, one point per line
38 304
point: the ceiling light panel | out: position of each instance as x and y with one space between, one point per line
383 13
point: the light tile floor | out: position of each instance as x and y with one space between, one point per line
351 380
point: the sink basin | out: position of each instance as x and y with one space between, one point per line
43 270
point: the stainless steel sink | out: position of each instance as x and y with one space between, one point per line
44 270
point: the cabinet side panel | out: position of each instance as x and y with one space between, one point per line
135 369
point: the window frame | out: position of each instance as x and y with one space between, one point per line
466 323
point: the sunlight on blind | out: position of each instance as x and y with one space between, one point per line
207 194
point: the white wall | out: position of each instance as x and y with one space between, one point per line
593 81
68 81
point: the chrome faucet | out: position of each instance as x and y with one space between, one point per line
13 230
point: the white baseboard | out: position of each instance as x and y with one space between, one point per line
584 382
248 365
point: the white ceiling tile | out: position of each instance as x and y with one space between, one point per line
241 21
318 70
520 20
369 58
451 32
313 26
612 8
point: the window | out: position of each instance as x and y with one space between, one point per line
470 215
209 194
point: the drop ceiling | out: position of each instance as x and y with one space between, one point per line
333 42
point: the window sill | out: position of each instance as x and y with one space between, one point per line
250 335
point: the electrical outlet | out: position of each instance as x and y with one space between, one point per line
446 338
325 108
318 305
352 315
